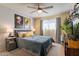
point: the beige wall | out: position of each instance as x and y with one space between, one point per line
37 24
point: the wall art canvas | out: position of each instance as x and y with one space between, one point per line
27 23
18 21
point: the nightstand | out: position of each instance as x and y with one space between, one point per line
11 43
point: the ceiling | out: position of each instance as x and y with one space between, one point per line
22 8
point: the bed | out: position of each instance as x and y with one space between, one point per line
39 45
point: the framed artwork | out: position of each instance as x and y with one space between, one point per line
27 23
18 21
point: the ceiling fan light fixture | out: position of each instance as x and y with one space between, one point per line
39 11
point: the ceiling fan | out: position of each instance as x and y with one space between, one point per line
40 9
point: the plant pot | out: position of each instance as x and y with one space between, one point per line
73 44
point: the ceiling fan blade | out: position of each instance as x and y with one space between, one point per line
33 11
38 5
31 7
44 11
47 7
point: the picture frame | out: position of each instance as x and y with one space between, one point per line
18 21
27 23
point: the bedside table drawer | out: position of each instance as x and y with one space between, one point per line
11 44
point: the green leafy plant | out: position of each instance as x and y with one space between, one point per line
76 30
67 27
71 30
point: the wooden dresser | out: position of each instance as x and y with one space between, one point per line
71 51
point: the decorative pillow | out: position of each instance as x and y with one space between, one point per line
20 34
28 34
25 34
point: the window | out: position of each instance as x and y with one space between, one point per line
49 28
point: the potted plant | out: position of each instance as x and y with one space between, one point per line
71 29
72 33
